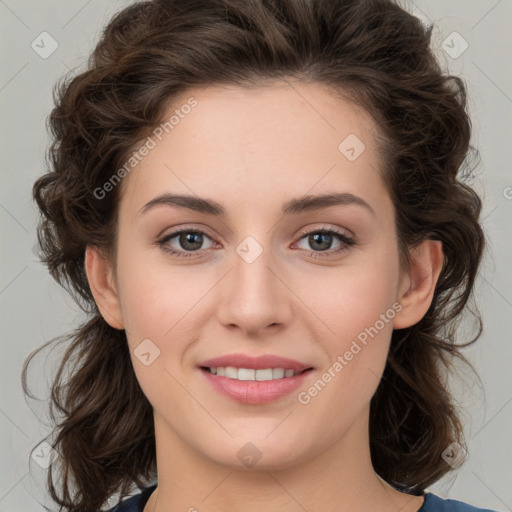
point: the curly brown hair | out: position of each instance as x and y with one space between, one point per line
372 51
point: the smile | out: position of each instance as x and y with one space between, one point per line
262 374
255 387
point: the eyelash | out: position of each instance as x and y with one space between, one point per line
346 241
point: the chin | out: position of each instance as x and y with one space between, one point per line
259 453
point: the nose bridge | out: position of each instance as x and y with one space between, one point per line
252 266
255 296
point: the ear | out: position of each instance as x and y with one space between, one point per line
417 287
101 279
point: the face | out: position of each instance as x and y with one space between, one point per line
317 283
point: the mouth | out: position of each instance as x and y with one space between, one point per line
255 380
253 374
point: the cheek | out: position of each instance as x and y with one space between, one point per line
354 297
155 296
359 318
357 312
155 310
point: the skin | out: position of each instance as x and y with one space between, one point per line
251 150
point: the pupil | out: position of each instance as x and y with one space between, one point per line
187 238
194 239
319 236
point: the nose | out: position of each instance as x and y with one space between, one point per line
255 296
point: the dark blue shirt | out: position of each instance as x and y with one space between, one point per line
432 503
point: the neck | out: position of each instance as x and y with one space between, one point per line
339 479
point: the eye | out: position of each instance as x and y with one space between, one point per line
190 241
322 240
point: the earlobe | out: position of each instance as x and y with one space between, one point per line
101 280
417 290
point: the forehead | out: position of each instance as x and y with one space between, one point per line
252 143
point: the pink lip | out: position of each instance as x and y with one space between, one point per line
255 392
257 363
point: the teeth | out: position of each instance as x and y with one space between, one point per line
278 373
251 374
231 372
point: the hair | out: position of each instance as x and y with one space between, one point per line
373 52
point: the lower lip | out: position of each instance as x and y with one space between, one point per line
256 392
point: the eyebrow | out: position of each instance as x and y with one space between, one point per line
303 204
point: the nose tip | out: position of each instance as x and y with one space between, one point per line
253 296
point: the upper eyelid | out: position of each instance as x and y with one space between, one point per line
346 242
342 231
301 234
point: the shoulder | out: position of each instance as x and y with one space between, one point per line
134 503
434 503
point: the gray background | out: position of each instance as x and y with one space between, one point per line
34 309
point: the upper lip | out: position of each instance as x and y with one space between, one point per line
256 363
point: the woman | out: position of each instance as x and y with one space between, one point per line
258 205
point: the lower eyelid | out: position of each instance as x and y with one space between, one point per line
345 242
167 238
